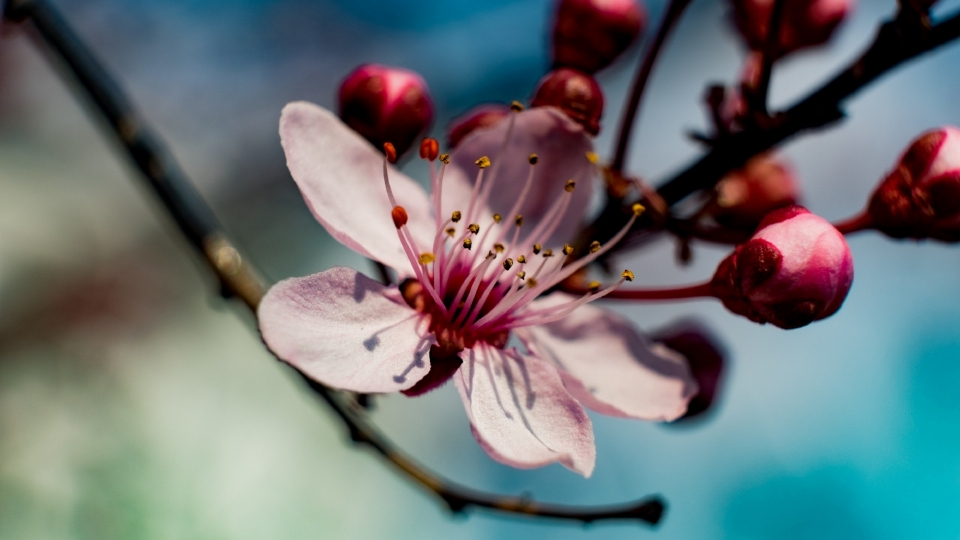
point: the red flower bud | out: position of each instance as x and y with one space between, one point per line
385 104
589 34
575 93
921 197
746 195
705 356
482 116
796 269
804 23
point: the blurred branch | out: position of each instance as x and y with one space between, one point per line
771 51
238 278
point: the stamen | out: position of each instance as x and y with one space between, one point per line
516 106
474 288
522 275
521 259
450 232
547 253
627 275
536 249
474 228
455 217
570 186
508 264
592 157
390 152
518 220
483 162
593 286
567 249
594 246
467 244
497 218
532 159
559 312
427 258
399 215
429 148
499 248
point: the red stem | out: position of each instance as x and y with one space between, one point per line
702 290
860 222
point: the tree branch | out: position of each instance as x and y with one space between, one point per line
238 278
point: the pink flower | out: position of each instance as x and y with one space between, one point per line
921 197
805 23
473 278
796 269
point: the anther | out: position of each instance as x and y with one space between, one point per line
536 249
531 283
450 232
516 106
390 152
497 218
627 275
399 215
455 217
570 185
445 158
429 148
521 259
426 258
594 286
521 274
518 220
483 162
567 249
592 157
474 228
467 244
491 255
638 209
498 247
547 253
508 264
533 159
594 246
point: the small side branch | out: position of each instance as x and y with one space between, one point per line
238 278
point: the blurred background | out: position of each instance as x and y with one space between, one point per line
134 403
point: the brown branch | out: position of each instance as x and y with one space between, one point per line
771 51
204 232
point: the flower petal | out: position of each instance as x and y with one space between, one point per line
609 366
341 178
520 412
345 330
561 146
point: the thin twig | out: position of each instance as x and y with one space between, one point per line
200 226
771 51
627 121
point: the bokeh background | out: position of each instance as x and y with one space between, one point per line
134 403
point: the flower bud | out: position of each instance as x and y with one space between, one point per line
481 116
745 196
575 93
705 356
796 269
921 197
385 104
804 23
589 34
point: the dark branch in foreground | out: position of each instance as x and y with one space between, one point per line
200 226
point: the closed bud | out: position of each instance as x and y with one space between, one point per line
589 34
705 355
746 195
921 197
804 23
480 117
385 104
573 92
797 268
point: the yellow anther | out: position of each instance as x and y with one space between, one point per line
536 249
627 275
445 158
567 249
533 158
638 209
498 247
450 232
516 106
455 217
426 258
483 162
467 244
594 286
521 274
592 157
570 186
474 228
518 220
497 218
521 259
508 264
531 283
548 253
594 246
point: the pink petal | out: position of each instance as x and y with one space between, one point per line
345 330
341 178
561 145
520 412
609 366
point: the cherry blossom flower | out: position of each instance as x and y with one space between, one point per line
475 258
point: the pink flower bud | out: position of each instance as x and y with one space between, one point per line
796 269
705 356
589 34
921 197
746 195
385 104
482 116
805 23
575 93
